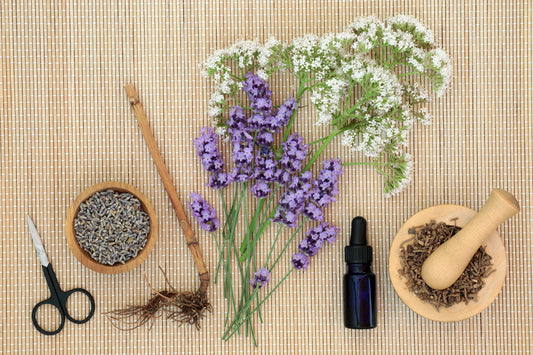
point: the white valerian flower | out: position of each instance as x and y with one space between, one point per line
412 24
216 98
401 170
327 98
440 64
423 116
262 74
222 132
313 55
214 111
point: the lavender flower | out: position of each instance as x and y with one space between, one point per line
219 180
265 165
309 246
282 115
329 232
242 147
314 212
258 92
260 189
203 212
260 279
294 153
294 199
206 148
316 237
257 121
264 138
242 174
326 189
300 261
237 118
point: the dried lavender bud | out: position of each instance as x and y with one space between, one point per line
112 227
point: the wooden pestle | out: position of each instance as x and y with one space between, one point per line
446 264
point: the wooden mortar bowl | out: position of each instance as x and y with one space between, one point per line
83 256
493 283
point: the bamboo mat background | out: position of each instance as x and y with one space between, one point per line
65 124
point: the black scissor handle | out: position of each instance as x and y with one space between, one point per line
53 303
58 299
63 297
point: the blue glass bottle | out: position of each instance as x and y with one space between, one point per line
359 281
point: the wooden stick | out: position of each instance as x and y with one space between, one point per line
192 242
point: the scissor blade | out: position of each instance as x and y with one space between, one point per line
37 242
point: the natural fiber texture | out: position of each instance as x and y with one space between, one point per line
66 124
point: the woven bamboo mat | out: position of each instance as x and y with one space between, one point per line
65 125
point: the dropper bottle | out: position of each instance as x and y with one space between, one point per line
359 280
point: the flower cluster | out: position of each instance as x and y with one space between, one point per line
325 190
292 202
260 279
207 150
312 243
369 82
294 154
204 213
264 172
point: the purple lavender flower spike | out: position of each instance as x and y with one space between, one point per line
300 261
262 104
294 199
260 189
265 165
312 242
294 153
282 177
286 217
257 121
242 148
282 115
219 180
310 246
258 92
330 233
313 212
242 174
260 279
237 118
203 212
327 182
206 148
264 138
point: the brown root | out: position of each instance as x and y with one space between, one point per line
183 307
188 308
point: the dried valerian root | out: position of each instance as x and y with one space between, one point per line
183 307
414 252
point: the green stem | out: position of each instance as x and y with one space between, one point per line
315 156
251 226
373 163
299 94
288 243
236 324
273 245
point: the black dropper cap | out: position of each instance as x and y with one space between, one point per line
358 252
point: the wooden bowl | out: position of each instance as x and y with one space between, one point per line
83 256
493 283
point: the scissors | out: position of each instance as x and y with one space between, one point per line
59 298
